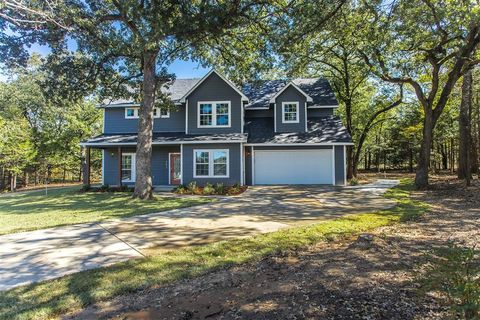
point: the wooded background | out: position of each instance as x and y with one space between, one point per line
405 74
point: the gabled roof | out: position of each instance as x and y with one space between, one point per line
244 97
262 92
290 84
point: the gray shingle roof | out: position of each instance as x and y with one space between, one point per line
327 129
166 138
261 92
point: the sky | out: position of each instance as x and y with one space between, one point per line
182 69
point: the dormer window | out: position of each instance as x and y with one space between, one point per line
161 113
131 113
290 112
214 114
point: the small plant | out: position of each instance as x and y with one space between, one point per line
208 189
220 189
235 189
181 189
86 188
103 188
455 272
353 181
193 188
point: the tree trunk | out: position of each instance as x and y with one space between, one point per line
410 160
13 182
421 175
464 128
143 179
25 178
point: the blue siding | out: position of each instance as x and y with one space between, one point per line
321 112
215 89
339 166
115 121
234 163
290 95
159 164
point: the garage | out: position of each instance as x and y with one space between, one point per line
293 167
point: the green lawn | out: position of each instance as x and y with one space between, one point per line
35 210
54 297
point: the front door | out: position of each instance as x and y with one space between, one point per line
175 168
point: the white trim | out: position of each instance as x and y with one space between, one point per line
345 165
159 113
135 113
256 108
186 116
210 163
181 164
253 166
103 167
297 111
134 164
103 125
169 168
119 105
300 144
323 107
309 99
275 117
241 164
214 114
106 144
333 165
306 119
244 97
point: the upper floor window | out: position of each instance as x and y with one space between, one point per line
214 114
131 113
290 112
161 113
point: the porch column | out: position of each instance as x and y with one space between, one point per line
86 167
119 152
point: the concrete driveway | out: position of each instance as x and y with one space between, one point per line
45 254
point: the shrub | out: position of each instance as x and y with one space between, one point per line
455 272
104 188
220 188
208 189
353 181
235 189
193 188
181 189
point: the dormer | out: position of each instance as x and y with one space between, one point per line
290 109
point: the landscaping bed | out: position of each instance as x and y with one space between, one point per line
210 189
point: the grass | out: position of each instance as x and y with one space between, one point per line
54 297
64 206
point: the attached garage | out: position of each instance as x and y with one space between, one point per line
293 166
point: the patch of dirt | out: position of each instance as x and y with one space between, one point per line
372 276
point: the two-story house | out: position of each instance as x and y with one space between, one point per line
270 132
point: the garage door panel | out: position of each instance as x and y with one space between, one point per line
293 167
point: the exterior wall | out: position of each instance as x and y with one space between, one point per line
339 166
259 113
234 163
248 165
290 95
215 89
159 164
115 121
321 112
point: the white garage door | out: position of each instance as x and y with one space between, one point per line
293 167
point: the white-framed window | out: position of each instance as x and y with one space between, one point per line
211 163
161 113
290 112
128 167
214 114
131 113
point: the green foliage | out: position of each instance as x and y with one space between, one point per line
235 189
353 181
54 297
455 272
220 188
181 189
208 189
193 188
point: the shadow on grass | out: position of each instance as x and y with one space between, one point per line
73 292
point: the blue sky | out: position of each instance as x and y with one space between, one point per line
182 69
